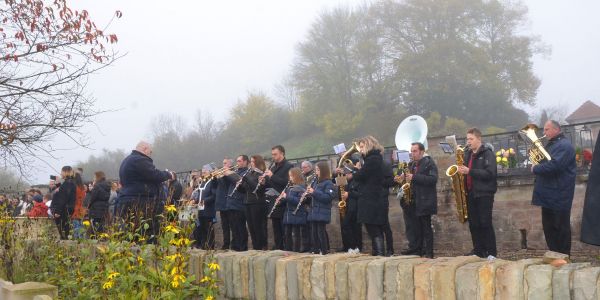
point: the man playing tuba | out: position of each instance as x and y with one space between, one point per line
554 188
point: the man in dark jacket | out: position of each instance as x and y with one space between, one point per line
277 178
423 179
140 181
235 205
480 182
554 188
98 206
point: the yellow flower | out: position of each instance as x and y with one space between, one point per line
171 208
171 228
107 285
498 159
214 266
504 159
113 275
180 242
511 151
498 153
174 257
140 260
103 236
177 279
205 279
175 270
209 297
86 223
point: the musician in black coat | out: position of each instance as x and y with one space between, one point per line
480 182
277 177
351 229
371 207
256 204
423 179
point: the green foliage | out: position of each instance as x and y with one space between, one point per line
493 130
115 265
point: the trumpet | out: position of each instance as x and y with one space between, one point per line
278 199
218 172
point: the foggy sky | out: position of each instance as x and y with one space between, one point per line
182 56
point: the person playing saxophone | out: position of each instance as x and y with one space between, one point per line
480 181
423 203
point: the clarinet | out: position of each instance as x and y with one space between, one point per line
238 183
303 197
278 199
258 183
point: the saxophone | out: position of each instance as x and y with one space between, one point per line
341 179
458 185
407 196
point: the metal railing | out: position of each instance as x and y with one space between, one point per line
580 134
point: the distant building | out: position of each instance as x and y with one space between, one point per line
586 113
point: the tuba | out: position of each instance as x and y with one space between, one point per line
458 185
341 179
537 153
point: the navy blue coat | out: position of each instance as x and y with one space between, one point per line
209 195
140 179
236 200
320 205
221 194
291 202
555 179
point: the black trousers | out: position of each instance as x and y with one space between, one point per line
480 225
351 231
293 237
425 235
256 217
277 224
389 239
204 233
64 224
305 230
237 223
557 229
320 240
411 224
376 234
226 228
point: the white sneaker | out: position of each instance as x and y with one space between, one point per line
356 251
350 251
491 258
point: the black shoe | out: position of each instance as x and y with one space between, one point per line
225 247
428 255
411 252
389 252
378 246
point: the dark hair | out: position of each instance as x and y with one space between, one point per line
280 148
259 162
78 180
67 172
474 131
100 176
244 157
324 171
421 146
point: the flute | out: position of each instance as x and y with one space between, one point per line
262 176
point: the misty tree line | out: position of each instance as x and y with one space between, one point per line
361 70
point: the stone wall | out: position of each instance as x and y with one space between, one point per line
288 275
517 223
